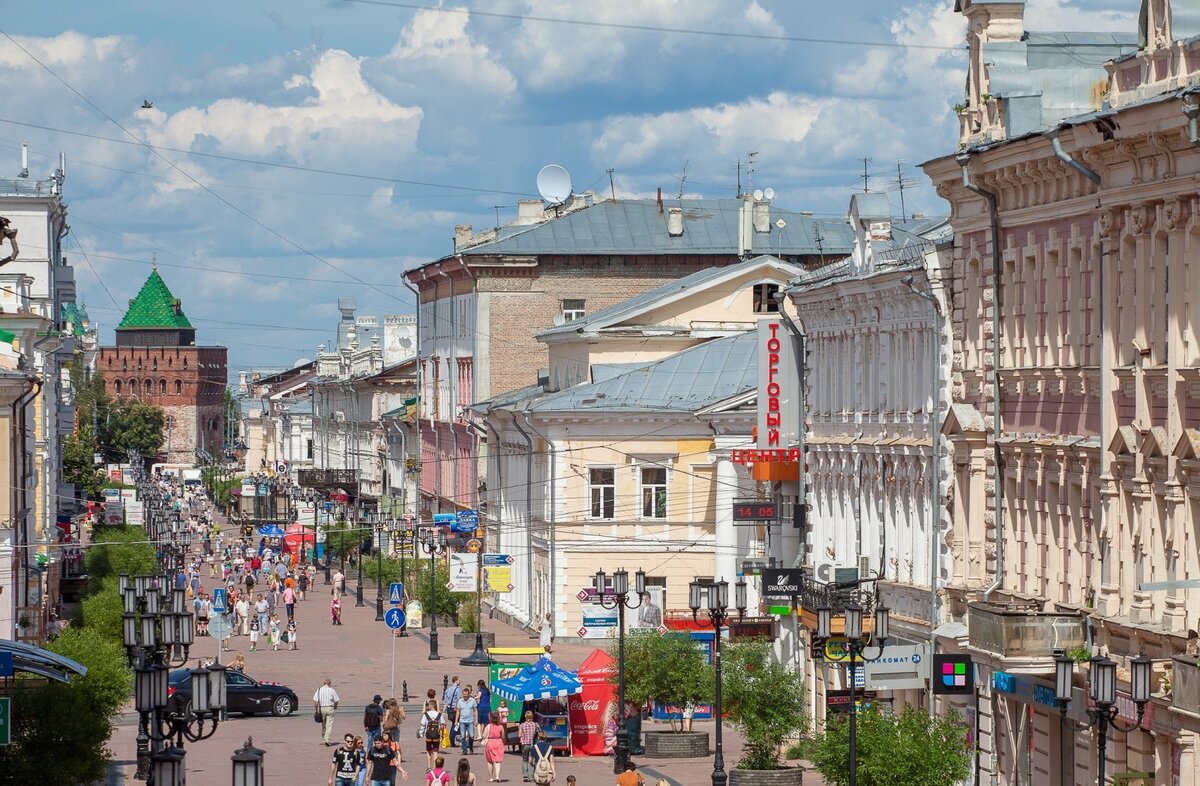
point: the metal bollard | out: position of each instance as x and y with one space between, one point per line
404 696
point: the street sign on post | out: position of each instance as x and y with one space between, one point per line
218 600
396 593
467 521
394 618
497 572
219 628
464 575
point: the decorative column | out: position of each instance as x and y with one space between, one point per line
724 534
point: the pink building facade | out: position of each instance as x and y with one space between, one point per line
1075 420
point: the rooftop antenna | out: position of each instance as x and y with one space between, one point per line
866 177
683 177
554 184
497 209
738 195
612 187
24 160
820 243
750 171
902 182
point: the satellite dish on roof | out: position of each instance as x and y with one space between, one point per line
758 194
769 193
554 184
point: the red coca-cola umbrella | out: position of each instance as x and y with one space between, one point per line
590 710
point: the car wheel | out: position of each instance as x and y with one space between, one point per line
282 706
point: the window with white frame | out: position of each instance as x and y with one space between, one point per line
654 492
602 489
572 310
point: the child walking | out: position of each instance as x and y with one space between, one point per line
276 632
291 634
254 634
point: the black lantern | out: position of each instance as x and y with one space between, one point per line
248 765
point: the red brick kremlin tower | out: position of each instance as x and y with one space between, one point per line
156 361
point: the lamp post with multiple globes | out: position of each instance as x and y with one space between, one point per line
1102 690
712 600
617 595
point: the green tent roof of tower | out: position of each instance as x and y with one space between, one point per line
154 307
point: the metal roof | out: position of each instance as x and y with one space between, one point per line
697 377
654 297
1046 77
636 226
42 662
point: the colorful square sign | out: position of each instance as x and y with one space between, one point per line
953 674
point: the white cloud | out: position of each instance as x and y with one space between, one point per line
557 55
435 45
1045 16
343 118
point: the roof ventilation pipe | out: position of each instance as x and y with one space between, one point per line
675 222
762 216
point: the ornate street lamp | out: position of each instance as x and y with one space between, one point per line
248 765
1102 690
434 544
856 646
620 598
717 612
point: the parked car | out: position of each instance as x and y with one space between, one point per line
243 694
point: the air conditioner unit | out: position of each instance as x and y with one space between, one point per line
824 572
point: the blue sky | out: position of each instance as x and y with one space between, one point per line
461 100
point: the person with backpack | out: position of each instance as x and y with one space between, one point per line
542 757
437 775
373 719
431 732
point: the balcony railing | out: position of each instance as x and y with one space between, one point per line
1017 633
1185 684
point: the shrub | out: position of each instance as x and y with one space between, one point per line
908 749
764 699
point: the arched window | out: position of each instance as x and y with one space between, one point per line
133 386
149 388
179 387
162 387
116 387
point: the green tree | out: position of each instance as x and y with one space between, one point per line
906 750
51 717
117 550
765 699
133 425
669 669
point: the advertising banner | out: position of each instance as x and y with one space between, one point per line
501 671
497 572
114 513
598 622
590 711
464 572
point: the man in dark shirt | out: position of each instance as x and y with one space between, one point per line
346 764
381 764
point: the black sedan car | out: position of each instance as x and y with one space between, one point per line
243 695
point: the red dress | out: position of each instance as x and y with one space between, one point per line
493 751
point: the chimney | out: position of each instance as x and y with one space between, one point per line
462 235
660 205
530 211
762 216
675 222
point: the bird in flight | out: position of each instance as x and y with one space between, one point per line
147 104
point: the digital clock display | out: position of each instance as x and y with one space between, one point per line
754 510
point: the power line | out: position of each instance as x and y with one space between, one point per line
660 29
240 160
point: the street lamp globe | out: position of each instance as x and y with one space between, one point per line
694 590
824 622
1139 680
854 618
167 767
882 622
248 765
620 581
1103 683
1064 671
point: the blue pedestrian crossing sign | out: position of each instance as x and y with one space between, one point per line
218 600
396 593
394 617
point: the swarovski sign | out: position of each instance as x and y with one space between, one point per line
781 583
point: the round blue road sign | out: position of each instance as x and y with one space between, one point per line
394 617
